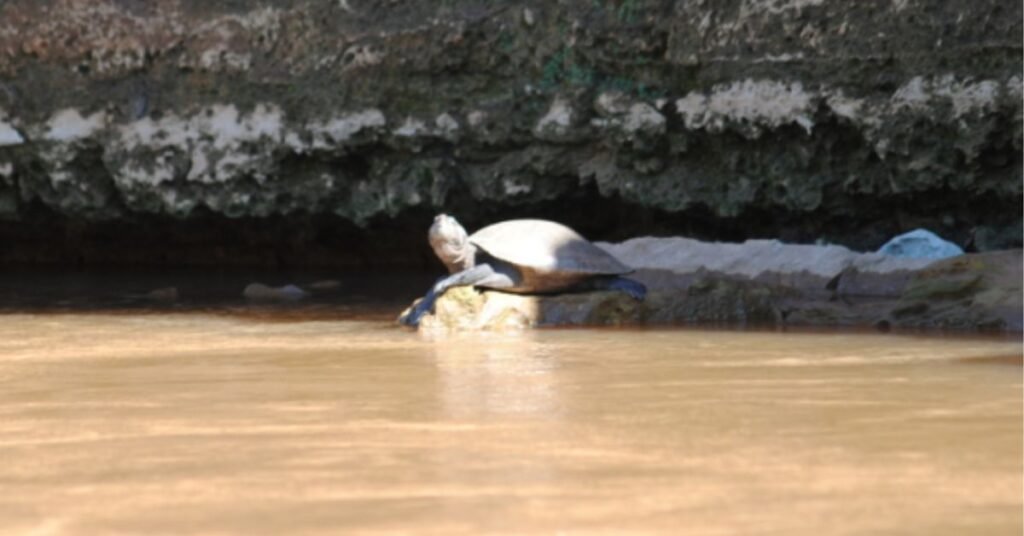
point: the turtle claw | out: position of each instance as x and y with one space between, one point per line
406 320
412 317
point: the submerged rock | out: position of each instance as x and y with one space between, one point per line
325 285
165 294
261 292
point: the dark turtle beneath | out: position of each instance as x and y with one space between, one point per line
521 256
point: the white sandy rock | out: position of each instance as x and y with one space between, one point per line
751 258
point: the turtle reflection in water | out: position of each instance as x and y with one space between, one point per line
521 256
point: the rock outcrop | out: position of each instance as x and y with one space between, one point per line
766 283
800 119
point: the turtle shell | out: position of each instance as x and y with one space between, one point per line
546 248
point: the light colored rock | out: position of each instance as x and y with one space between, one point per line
556 123
337 131
467 309
755 104
219 144
70 125
9 135
411 128
751 258
752 106
643 117
528 17
619 111
446 125
611 103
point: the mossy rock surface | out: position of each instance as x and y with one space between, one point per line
980 291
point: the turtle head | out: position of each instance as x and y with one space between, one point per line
451 243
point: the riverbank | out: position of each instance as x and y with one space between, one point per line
298 133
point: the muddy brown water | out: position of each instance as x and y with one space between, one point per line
316 419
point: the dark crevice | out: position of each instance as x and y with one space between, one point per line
305 240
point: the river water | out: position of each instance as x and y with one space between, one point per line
307 420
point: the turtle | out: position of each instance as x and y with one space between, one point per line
523 256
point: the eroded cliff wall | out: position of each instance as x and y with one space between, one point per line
146 130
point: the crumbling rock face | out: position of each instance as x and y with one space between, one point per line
801 119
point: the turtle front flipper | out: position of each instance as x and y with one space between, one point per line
481 275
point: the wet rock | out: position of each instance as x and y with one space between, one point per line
719 300
325 285
166 294
920 244
468 309
980 291
261 292
710 300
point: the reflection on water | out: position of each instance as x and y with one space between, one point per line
488 375
202 423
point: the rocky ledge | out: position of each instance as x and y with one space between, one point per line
767 283
182 130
